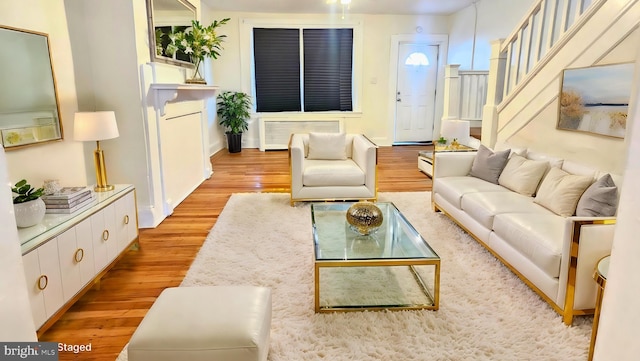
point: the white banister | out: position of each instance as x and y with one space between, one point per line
451 109
527 48
497 72
465 93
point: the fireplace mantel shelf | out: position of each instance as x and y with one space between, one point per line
175 92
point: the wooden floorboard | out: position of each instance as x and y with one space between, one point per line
107 316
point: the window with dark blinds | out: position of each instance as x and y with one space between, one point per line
326 72
277 69
328 60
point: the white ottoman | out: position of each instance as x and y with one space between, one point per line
219 323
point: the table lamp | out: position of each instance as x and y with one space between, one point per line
90 126
456 129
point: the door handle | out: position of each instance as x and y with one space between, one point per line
398 100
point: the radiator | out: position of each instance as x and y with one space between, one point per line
275 133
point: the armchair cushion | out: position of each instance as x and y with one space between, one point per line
327 146
320 173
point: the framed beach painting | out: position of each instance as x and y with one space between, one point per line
596 99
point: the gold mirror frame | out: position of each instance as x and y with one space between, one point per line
168 15
29 102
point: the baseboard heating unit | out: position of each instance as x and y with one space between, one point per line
275 132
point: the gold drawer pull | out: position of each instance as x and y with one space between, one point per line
44 278
126 219
105 235
79 255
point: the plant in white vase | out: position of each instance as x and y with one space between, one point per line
28 207
198 42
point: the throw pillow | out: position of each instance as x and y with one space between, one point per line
327 146
560 191
488 165
600 199
522 175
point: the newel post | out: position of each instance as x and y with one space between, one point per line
495 86
451 108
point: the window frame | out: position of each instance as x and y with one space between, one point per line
247 61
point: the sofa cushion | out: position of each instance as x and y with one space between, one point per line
484 206
327 146
521 151
537 236
522 175
560 191
488 165
578 168
553 161
452 189
599 200
321 173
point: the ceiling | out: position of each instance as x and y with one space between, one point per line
439 7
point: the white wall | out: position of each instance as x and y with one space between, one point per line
620 317
493 19
230 73
15 312
62 160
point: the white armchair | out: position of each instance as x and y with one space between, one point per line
332 166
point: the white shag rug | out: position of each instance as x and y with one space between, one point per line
486 312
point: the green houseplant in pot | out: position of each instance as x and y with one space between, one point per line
28 207
233 114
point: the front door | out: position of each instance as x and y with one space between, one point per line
416 92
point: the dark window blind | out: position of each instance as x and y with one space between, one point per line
328 62
327 69
277 69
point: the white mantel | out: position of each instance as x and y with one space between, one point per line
175 92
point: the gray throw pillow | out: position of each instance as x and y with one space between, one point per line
600 199
488 165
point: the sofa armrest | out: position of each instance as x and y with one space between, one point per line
587 241
452 164
296 162
365 154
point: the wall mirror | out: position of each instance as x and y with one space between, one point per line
166 17
29 108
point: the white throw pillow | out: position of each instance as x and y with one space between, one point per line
328 146
522 175
560 191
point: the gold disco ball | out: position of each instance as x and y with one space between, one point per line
364 217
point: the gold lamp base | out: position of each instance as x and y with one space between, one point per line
106 188
101 171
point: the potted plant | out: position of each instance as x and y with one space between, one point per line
198 42
233 114
28 207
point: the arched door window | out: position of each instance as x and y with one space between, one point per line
417 59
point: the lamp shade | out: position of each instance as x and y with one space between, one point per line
458 129
95 126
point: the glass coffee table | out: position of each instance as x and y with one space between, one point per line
393 268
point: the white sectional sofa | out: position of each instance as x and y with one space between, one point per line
527 220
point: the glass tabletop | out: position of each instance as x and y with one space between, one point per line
396 238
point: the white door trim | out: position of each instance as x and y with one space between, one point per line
442 40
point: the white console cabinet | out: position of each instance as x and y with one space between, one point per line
66 254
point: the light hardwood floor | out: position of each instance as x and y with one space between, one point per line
106 316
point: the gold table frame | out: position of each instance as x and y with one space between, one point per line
382 262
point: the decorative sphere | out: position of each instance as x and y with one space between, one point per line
364 217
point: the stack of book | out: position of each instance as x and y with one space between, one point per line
68 199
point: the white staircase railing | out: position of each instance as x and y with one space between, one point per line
545 28
465 93
517 60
